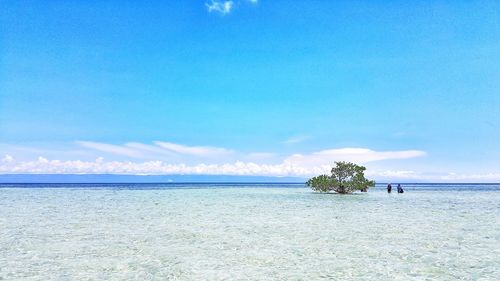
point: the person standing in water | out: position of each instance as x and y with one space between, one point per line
400 189
389 188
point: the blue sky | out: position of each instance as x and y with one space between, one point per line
411 90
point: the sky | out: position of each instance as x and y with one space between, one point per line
409 89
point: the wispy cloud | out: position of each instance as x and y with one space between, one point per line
225 7
147 148
222 7
294 165
159 150
319 158
111 148
201 151
296 139
356 155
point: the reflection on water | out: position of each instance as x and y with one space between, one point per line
241 232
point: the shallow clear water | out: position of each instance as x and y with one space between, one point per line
239 232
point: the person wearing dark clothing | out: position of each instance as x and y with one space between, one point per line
400 189
389 188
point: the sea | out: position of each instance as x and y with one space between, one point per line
247 231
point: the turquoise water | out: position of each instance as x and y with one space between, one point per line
242 232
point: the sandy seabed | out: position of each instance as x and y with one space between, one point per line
122 232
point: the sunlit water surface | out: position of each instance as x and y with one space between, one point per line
238 232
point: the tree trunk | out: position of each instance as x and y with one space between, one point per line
341 190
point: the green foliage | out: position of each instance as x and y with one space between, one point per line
346 177
320 183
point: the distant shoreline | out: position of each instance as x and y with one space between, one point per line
178 179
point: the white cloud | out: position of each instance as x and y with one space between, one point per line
201 151
151 168
222 7
148 148
159 149
7 158
296 139
389 174
470 177
295 165
42 160
392 175
356 155
172 158
238 168
111 148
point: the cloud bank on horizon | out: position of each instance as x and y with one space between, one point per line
162 157
295 165
169 159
